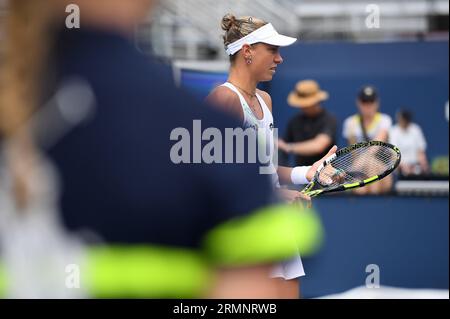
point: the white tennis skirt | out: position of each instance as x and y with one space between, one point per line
289 269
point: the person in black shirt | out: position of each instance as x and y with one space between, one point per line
311 133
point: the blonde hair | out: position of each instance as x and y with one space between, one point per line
237 28
26 45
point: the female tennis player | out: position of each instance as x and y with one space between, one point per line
253 46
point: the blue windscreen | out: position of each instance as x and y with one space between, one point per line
200 83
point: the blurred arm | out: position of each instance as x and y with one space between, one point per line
382 136
423 161
245 283
314 146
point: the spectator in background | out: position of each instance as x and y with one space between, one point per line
312 132
408 137
369 125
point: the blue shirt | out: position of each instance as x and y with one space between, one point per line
118 178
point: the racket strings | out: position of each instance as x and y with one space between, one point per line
357 165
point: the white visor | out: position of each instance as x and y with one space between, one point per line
265 34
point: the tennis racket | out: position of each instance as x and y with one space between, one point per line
354 166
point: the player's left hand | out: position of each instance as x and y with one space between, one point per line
294 197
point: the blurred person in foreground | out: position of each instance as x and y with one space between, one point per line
311 133
409 138
253 46
369 125
84 114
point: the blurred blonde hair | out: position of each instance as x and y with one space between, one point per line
23 55
237 28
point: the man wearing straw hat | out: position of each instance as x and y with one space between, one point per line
312 132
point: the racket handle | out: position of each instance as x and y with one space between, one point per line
308 187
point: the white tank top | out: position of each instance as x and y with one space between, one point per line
266 123
291 268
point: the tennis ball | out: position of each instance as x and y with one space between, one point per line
310 232
2 282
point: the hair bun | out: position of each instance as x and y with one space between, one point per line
228 21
